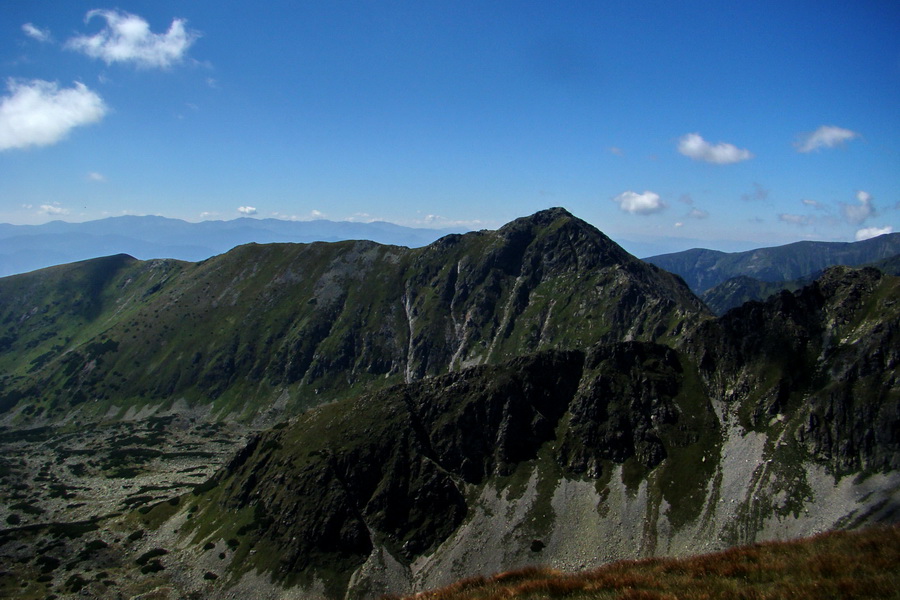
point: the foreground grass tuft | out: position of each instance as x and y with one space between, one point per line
847 565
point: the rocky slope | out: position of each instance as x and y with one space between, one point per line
532 395
777 421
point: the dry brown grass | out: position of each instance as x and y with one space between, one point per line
848 565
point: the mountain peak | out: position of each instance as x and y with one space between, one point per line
548 215
560 237
541 219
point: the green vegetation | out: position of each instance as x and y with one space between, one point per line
316 322
408 383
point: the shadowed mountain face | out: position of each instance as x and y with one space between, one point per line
804 383
738 290
306 322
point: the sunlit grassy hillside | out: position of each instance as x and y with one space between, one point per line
863 564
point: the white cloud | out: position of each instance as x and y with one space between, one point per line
857 213
617 151
53 209
127 39
39 113
98 177
698 213
247 210
41 35
826 136
694 146
432 221
362 217
640 204
812 203
870 232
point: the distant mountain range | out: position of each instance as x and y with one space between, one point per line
725 280
703 269
26 248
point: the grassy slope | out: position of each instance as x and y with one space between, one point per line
310 321
860 564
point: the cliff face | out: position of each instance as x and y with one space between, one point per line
831 347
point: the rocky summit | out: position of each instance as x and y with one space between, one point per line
348 420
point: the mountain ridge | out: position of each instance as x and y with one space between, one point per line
265 319
401 418
26 248
714 443
703 269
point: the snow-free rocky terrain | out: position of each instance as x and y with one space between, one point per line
345 420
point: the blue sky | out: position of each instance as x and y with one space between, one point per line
723 124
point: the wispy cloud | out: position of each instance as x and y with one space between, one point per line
694 146
698 213
826 136
800 220
440 222
247 210
640 204
362 217
813 203
97 177
39 113
867 233
41 35
53 209
127 39
857 213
